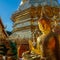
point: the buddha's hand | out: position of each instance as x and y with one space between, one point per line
35 50
31 45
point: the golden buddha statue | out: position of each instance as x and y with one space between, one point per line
46 42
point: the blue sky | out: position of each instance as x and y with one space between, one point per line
7 8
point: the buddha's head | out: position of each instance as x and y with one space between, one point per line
44 25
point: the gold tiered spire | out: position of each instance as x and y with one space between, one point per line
27 13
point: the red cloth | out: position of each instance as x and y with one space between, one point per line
23 48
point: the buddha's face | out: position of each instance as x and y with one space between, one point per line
43 26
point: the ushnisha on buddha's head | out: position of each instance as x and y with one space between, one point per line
44 25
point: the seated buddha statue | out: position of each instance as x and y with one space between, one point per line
46 43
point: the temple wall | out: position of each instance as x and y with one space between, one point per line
22 34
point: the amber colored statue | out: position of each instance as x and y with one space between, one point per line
46 43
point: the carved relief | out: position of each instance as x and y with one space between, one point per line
39 11
48 11
55 11
33 12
